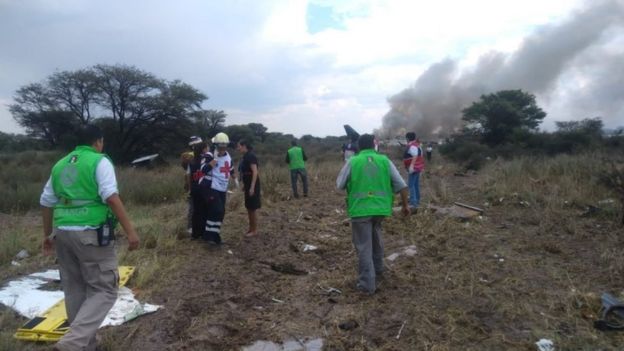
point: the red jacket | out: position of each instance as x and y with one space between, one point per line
419 165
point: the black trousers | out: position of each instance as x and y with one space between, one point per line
198 218
215 205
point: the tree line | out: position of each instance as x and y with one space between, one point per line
137 111
505 124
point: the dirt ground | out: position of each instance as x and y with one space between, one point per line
499 282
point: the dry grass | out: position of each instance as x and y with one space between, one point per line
521 273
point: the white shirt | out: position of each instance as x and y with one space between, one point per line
221 172
414 151
107 186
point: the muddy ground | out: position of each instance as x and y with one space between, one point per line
499 282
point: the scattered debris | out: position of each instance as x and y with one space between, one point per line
480 210
15 263
408 251
288 345
148 161
329 291
611 314
393 257
457 211
230 252
348 325
22 254
28 298
591 210
545 345
277 300
400 330
299 218
606 202
525 203
308 247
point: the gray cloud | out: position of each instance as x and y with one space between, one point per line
576 46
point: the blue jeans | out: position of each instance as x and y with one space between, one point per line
294 174
414 189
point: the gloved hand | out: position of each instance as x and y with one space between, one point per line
410 169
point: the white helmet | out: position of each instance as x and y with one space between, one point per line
221 138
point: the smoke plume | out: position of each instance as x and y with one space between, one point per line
576 67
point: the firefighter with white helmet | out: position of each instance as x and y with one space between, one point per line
219 170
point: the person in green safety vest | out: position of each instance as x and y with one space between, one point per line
296 157
80 204
371 181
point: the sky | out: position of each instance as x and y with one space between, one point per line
305 66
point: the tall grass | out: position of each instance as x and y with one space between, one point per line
552 182
23 176
151 186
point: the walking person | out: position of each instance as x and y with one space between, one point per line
218 170
370 180
296 157
251 185
414 164
80 206
429 151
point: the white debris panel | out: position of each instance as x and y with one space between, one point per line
26 296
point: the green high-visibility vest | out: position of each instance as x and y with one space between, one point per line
295 158
74 183
369 189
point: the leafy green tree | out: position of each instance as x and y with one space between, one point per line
237 132
139 112
75 92
208 123
590 126
259 130
496 117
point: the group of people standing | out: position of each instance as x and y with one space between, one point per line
208 172
81 205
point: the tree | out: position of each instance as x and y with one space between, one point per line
590 126
497 116
75 92
209 122
37 111
259 130
237 132
138 111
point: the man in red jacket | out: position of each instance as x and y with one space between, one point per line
414 164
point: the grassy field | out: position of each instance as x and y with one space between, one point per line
533 266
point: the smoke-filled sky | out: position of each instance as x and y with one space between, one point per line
310 66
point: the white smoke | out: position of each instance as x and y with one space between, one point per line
577 65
